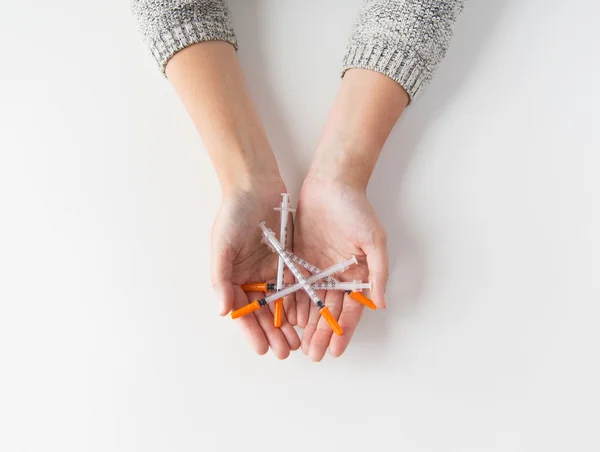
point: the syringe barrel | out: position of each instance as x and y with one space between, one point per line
313 279
335 268
354 286
285 209
310 267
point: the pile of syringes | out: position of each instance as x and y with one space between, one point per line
320 279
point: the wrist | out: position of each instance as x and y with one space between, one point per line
246 169
209 79
364 112
338 161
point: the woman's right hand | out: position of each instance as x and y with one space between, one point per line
238 257
209 79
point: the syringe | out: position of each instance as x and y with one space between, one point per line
328 284
285 208
307 265
302 283
257 304
291 288
353 289
354 293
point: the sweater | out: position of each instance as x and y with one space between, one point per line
403 39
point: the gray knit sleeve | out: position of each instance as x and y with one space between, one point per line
403 39
169 26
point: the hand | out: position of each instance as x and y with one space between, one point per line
334 218
208 77
239 257
335 221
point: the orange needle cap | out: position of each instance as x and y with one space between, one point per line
251 307
278 315
337 329
255 287
362 300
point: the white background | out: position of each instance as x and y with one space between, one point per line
488 187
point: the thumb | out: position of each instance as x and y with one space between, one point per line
221 271
377 261
225 296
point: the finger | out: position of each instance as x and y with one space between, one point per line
288 331
289 306
349 319
303 305
276 339
377 261
310 327
291 336
289 302
322 337
249 325
225 296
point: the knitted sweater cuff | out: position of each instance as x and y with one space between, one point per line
408 70
170 41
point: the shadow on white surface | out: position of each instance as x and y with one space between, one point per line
407 250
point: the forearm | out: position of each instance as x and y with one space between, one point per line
394 49
209 80
365 110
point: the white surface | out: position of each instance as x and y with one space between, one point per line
109 333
